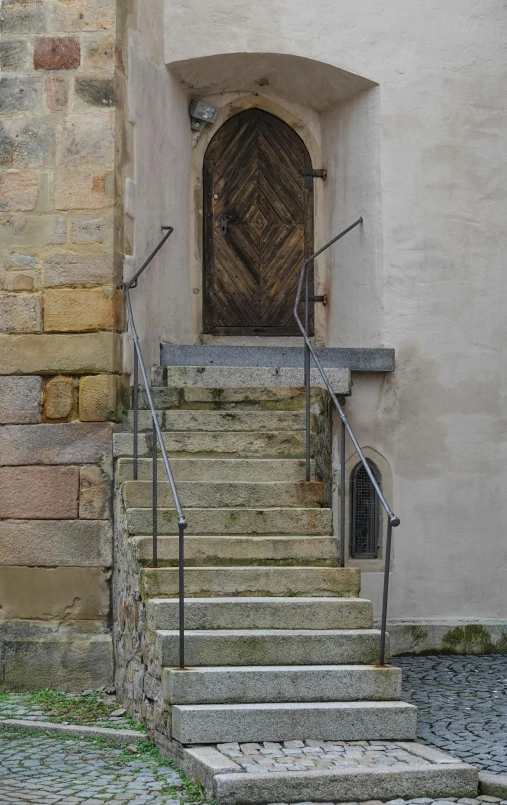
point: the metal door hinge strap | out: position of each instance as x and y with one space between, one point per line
318 173
322 299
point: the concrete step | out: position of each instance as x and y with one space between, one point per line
253 470
183 420
213 399
210 582
215 444
271 647
284 683
291 521
327 721
221 377
262 613
240 550
222 494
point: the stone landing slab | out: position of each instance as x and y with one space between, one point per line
322 771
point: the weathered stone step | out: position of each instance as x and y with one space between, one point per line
244 444
315 683
291 521
240 550
221 377
210 582
207 399
431 774
223 494
262 613
271 647
327 721
220 421
225 469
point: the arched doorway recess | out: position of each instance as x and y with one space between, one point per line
258 225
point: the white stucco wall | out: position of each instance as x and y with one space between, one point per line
418 148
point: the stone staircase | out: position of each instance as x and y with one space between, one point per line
279 645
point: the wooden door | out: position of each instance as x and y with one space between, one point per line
258 225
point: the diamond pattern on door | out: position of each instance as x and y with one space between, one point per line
258 225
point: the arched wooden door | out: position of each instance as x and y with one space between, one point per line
258 225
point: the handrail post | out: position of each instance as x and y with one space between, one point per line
181 590
154 481
136 411
383 625
307 376
343 434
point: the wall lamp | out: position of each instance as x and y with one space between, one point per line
201 112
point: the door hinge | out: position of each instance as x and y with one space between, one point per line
322 299
309 176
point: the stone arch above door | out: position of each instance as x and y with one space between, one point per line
257 225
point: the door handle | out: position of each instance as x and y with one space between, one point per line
225 220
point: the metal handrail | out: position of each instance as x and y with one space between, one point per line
157 440
392 519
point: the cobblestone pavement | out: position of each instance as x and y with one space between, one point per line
462 705
311 755
419 801
23 707
37 769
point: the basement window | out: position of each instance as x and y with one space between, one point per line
364 514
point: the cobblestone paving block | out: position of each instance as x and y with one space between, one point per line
462 705
37 769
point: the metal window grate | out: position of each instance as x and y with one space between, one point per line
365 513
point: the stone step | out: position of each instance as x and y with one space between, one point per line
283 683
253 470
291 521
271 647
210 582
222 494
220 421
208 399
327 721
396 771
221 377
240 550
244 444
262 613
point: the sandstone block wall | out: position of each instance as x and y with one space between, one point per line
60 319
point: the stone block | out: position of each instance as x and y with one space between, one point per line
78 269
50 353
65 443
56 543
18 191
92 229
70 593
57 92
98 51
79 310
60 398
20 313
19 282
20 399
19 93
76 15
29 143
56 53
14 55
94 494
39 493
87 139
24 17
17 261
32 230
96 91
77 191
97 398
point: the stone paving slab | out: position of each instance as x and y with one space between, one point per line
462 705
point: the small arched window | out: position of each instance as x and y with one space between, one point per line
364 513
